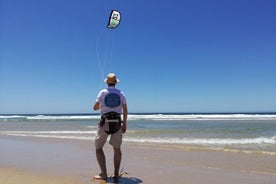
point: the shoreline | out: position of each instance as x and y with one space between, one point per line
75 162
256 151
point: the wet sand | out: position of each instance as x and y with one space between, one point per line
29 160
15 175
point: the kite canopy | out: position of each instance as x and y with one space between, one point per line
114 19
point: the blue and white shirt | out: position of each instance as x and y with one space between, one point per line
111 100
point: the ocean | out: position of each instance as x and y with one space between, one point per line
244 132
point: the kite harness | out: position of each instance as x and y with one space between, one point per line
111 122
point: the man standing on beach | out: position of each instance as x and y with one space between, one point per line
111 102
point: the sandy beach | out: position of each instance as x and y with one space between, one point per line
29 160
15 175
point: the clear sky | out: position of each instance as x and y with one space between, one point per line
170 55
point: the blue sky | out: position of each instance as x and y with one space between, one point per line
170 55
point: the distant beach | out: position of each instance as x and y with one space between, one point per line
158 148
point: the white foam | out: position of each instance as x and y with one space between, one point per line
54 136
207 141
76 117
204 117
12 117
87 135
48 132
145 117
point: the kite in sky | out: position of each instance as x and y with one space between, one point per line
114 19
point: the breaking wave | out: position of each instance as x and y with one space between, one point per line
4 118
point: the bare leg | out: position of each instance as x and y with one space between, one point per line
101 160
117 160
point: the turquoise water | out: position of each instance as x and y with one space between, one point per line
234 131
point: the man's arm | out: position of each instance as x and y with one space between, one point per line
124 127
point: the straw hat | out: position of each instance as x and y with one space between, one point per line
111 79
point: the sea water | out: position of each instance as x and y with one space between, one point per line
240 132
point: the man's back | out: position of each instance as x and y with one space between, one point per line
111 100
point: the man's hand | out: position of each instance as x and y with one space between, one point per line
96 106
124 128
